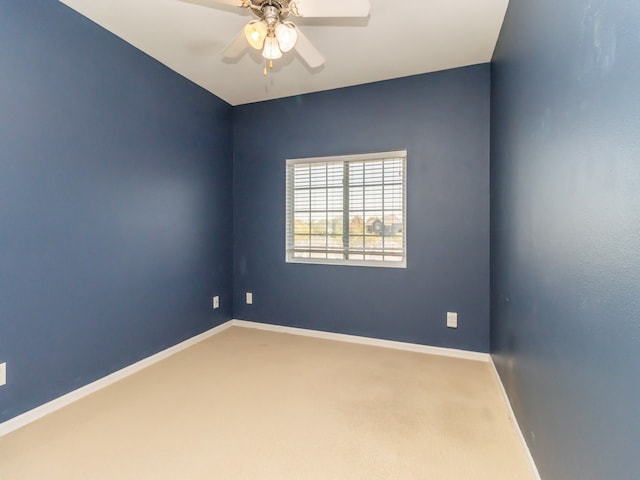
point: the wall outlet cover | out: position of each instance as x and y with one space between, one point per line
216 301
452 319
249 298
3 374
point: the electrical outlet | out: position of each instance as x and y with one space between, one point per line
249 298
452 319
3 374
216 301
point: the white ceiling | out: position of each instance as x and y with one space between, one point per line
400 38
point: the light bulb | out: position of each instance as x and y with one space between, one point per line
287 35
271 50
255 32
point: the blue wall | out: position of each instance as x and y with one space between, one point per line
443 121
566 232
115 204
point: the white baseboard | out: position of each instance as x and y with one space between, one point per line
375 342
514 420
60 402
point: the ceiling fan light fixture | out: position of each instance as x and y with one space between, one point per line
256 32
271 49
287 36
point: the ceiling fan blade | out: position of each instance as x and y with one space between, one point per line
332 8
307 51
232 3
237 46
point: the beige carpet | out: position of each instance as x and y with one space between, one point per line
249 404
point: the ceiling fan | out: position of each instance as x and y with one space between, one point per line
273 34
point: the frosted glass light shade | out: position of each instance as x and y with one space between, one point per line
255 32
271 49
287 35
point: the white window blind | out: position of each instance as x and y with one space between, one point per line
347 210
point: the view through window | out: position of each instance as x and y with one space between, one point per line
347 210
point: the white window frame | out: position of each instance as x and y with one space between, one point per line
289 228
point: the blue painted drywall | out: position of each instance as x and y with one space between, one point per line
566 232
115 204
443 121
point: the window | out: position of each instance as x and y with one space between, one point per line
347 210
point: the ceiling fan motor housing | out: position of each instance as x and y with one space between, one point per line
271 10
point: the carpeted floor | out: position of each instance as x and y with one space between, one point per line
249 404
